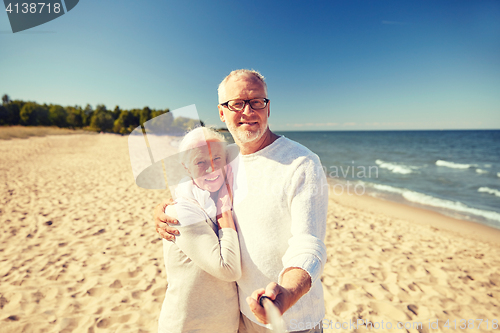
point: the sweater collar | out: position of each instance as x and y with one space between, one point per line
264 150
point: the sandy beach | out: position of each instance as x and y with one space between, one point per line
79 253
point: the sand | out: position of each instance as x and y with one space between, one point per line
23 132
79 253
390 262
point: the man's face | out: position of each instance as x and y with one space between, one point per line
247 125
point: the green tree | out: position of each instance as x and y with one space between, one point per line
9 111
156 113
102 120
87 115
14 110
4 112
136 113
5 99
4 115
125 123
145 115
100 107
58 115
74 117
33 114
119 126
116 112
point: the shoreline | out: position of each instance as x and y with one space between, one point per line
421 216
416 214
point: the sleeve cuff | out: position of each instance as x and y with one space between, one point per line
309 263
227 231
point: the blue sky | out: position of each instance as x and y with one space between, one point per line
331 65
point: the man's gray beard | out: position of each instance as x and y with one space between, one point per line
245 136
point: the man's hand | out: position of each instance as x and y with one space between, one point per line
295 283
274 291
161 219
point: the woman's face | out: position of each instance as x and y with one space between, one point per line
205 165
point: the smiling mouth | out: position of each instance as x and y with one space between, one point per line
250 123
212 179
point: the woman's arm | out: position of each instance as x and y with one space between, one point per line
225 201
217 255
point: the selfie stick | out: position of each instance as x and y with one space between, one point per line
273 314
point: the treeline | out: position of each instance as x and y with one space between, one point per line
17 112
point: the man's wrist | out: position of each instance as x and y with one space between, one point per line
288 299
295 283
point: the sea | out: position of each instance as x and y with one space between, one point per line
456 173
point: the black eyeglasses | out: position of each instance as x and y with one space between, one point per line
239 104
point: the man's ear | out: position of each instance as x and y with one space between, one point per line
221 113
268 109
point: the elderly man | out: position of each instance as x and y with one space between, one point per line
282 219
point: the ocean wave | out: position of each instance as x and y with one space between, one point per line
489 190
388 188
453 165
428 200
396 168
480 171
452 205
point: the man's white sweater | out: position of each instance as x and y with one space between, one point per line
281 221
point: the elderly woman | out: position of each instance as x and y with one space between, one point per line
204 261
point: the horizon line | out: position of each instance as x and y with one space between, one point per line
392 130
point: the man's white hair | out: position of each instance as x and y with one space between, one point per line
237 73
197 137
